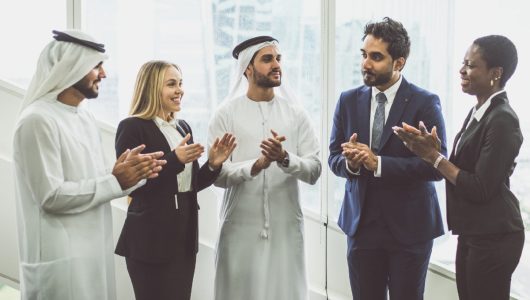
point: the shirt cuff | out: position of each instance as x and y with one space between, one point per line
377 172
352 172
132 188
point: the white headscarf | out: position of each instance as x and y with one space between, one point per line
239 84
60 66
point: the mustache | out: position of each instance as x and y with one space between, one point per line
366 72
274 71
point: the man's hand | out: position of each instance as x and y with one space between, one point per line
353 159
272 147
132 166
261 163
358 154
188 153
221 150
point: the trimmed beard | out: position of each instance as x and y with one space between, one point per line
264 81
378 79
85 88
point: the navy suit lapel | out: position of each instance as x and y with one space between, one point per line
396 111
363 115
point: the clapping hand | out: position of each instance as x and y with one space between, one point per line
272 148
221 150
188 153
354 157
132 166
419 140
358 154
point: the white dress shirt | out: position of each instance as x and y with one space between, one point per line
173 137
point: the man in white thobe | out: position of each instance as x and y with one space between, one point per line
63 186
260 250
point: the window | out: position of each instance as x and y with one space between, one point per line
22 41
199 36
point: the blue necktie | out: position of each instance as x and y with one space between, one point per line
379 122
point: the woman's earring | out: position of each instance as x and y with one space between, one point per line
491 82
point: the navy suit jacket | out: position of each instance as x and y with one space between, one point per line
405 190
152 231
481 201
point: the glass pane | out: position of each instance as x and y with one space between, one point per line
200 36
22 40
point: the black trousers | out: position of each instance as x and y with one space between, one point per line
485 263
162 281
171 280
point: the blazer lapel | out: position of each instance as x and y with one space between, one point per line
467 134
363 115
158 135
459 134
396 111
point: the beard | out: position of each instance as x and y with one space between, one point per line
264 81
87 88
373 79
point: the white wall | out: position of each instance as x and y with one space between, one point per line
10 98
439 286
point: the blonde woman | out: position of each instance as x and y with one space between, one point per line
159 239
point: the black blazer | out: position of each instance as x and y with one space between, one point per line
481 201
151 231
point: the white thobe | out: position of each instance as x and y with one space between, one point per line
63 189
260 250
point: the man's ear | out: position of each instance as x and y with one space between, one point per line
399 64
249 70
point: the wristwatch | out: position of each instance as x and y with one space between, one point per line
285 161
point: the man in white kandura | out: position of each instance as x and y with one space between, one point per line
260 250
63 185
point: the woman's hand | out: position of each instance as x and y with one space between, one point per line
221 150
188 153
418 140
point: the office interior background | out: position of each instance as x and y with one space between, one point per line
320 42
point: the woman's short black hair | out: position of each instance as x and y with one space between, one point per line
393 33
498 51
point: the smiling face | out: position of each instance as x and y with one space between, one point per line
378 67
89 85
265 71
476 77
172 92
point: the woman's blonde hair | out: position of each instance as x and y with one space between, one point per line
147 97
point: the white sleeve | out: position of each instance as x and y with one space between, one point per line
305 163
377 172
39 161
231 173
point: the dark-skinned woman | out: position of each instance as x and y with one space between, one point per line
481 209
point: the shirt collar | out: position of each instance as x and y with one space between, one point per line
160 122
391 92
479 113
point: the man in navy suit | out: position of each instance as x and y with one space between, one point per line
390 212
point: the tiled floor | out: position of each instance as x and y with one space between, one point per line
8 293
